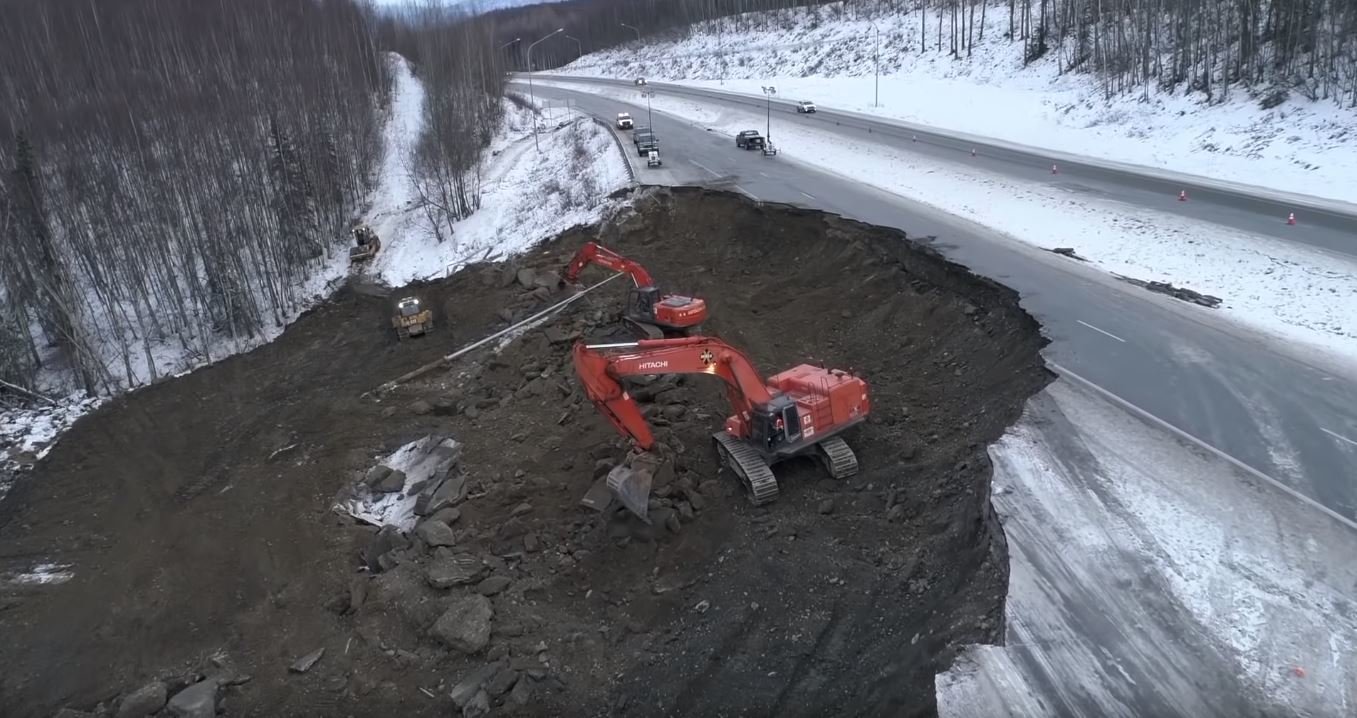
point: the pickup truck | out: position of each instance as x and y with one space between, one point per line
805 107
645 141
624 121
749 140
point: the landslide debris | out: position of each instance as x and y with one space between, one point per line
190 535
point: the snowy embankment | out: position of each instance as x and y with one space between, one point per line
1287 290
826 55
526 196
1148 578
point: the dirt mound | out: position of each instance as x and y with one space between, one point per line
195 515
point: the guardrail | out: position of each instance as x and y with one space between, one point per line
626 158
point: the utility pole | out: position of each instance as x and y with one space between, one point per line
532 96
638 32
768 93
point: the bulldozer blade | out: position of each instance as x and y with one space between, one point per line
598 496
632 487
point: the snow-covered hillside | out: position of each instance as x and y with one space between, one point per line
828 55
527 196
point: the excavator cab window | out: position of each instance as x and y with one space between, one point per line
642 300
792 424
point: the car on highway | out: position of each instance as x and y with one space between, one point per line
640 81
749 140
624 121
805 107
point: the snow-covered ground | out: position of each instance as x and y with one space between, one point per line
527 196
826 55
1288 290
1148 578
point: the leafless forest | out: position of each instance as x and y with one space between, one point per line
173 171
1211 47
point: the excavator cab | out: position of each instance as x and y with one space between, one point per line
641 302
775 423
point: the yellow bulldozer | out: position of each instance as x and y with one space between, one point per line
367 244
412 319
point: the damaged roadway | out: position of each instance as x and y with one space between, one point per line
201 551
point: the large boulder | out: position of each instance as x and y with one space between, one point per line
465 626
144 701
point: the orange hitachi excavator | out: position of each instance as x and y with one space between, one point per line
654 315
798 411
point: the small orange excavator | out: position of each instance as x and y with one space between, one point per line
654 315
799 411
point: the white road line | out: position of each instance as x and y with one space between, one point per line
747 193
1101 331
807 195
761 174
709 170
1217 452
1340 437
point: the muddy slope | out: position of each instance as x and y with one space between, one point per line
189 536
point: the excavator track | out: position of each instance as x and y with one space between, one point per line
837 457
650 331
747 464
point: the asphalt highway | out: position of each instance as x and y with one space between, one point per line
1266 407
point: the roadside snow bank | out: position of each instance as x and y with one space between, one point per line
826 55
1288 290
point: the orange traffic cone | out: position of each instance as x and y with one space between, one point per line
1182 196
1291 218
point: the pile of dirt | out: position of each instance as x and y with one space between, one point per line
197 516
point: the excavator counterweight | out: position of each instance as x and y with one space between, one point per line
653 314
796 412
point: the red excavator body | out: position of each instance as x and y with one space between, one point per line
653 314
798 411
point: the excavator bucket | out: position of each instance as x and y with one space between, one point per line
630 482
632 488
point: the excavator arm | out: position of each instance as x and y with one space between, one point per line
594 253
600 367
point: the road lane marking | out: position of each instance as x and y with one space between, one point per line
1340 518
709 170
1340 437
761 174
747 193
1101 331
807 195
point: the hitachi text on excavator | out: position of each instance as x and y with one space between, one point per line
653 315
799 411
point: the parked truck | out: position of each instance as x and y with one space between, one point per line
645 141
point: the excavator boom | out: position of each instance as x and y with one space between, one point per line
599 367
594 253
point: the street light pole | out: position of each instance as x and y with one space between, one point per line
768 93
579 48
648 93
638 32
532 96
